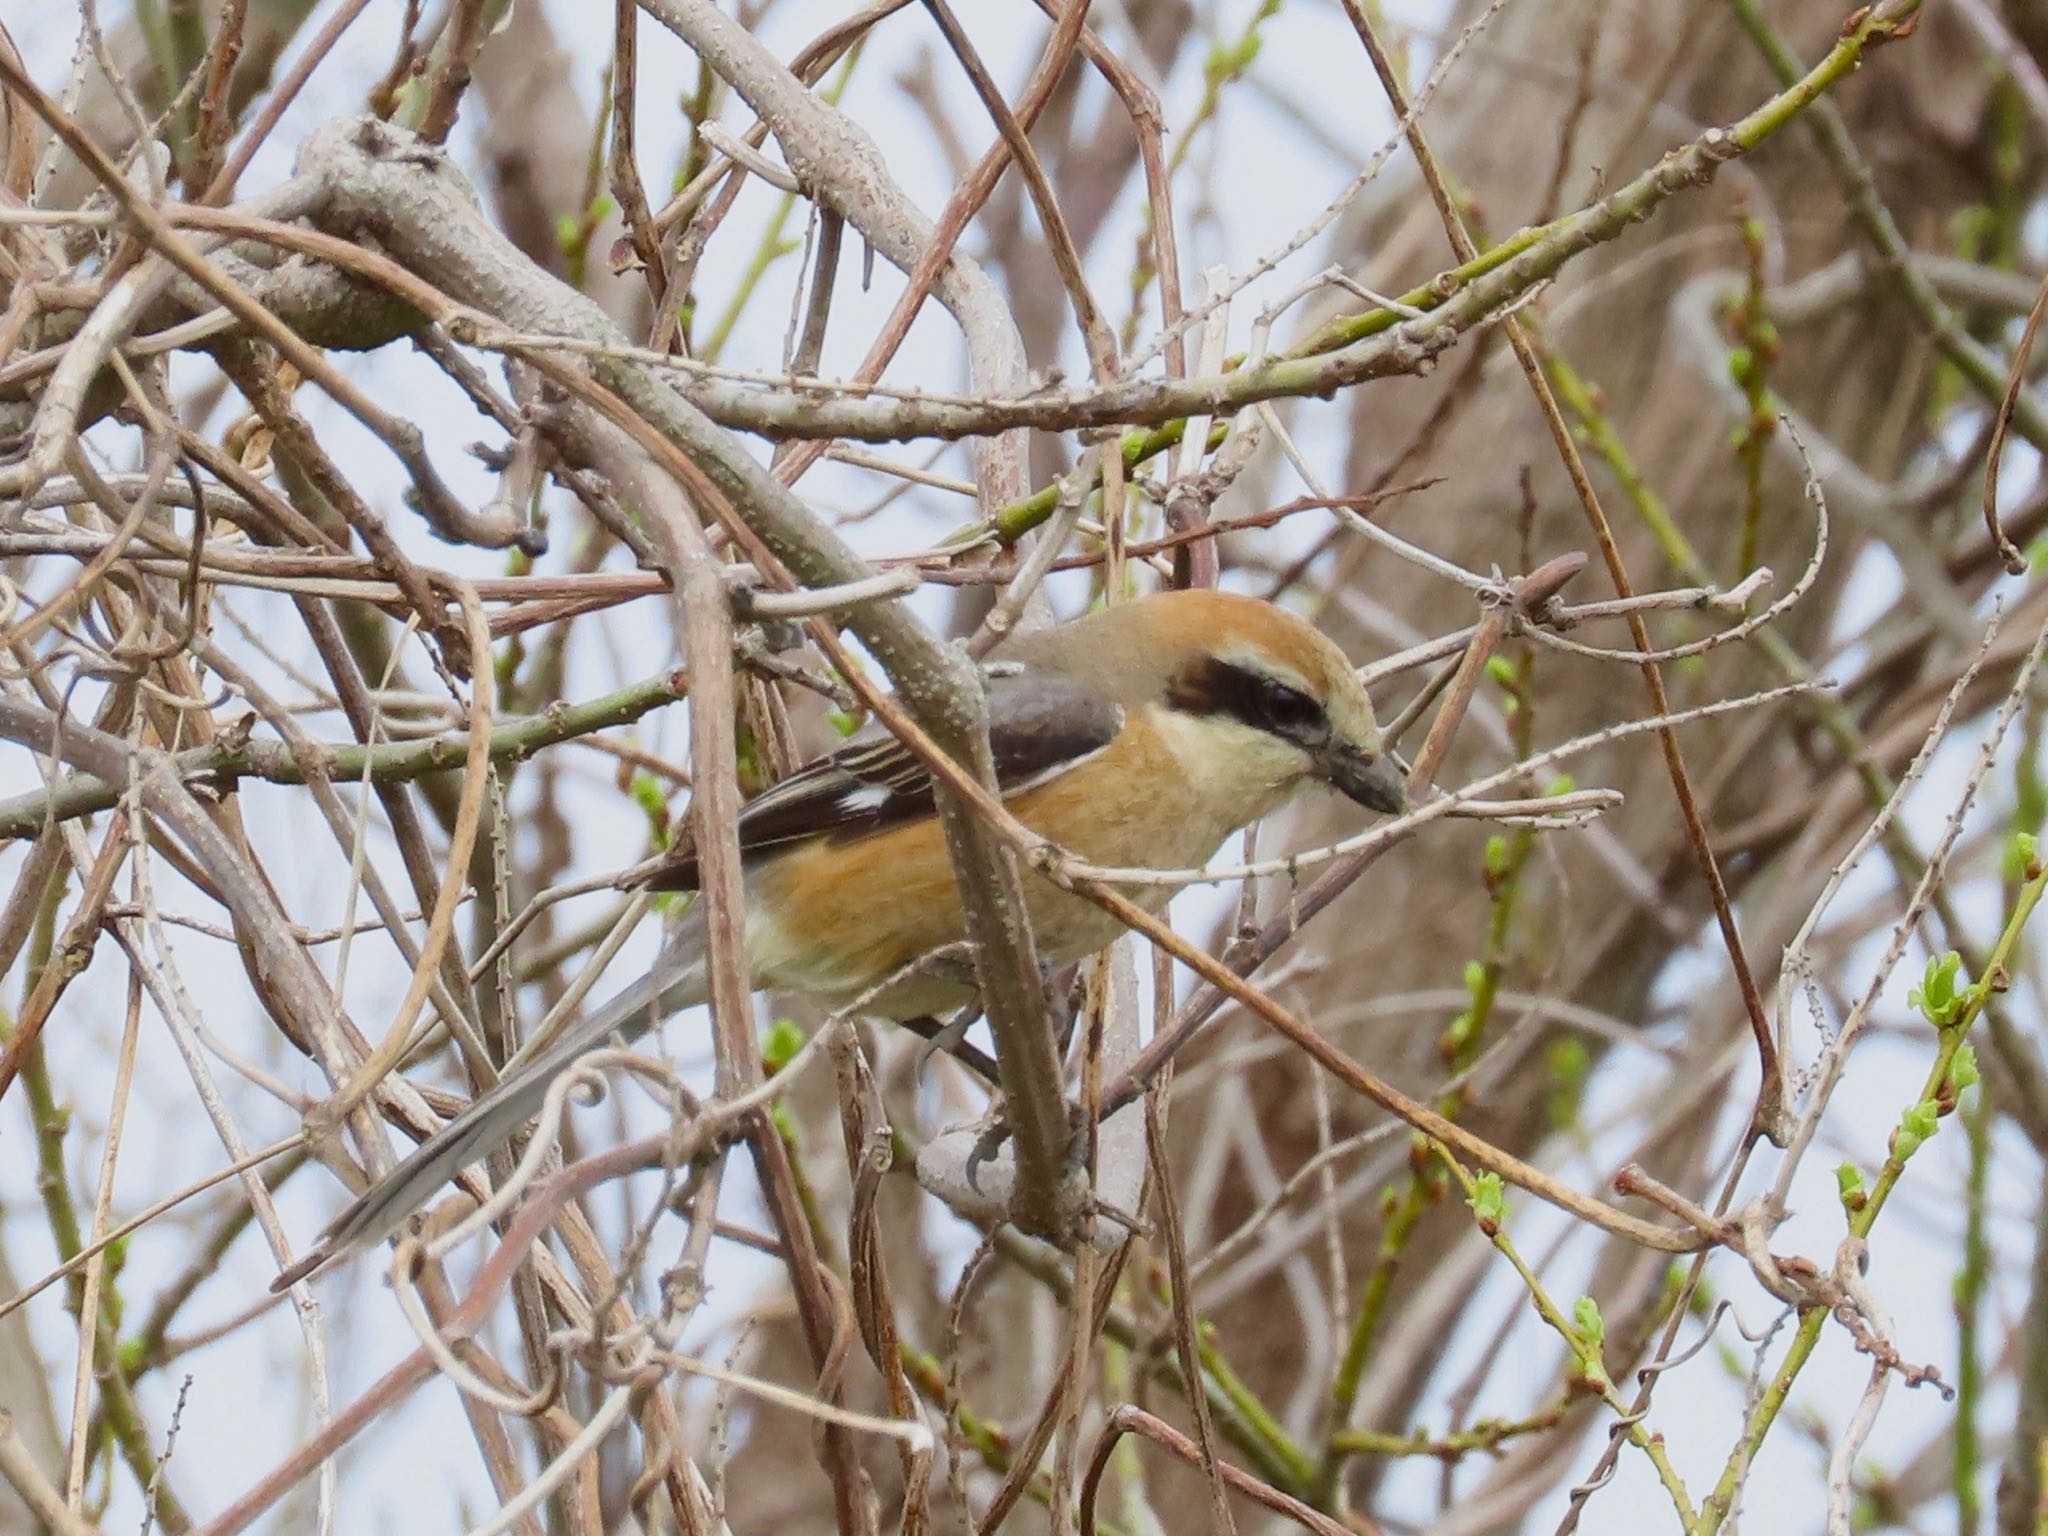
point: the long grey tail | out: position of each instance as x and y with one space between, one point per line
675 981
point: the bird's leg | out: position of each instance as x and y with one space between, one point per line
950 1036
986 1146
1069 984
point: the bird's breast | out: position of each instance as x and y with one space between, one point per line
833 918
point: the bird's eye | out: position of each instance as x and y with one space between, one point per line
1287 710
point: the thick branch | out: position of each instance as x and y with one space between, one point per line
224 760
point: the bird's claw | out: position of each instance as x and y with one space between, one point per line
986 1146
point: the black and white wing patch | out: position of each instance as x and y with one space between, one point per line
1040 725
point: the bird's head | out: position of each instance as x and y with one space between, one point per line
1268 688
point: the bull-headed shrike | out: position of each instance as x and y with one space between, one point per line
1140 735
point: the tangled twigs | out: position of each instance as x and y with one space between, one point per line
1128 1419
1798 1282
57 420
229 666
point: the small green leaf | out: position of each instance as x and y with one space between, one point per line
1938 997
1496 856
1563 784
1475 977
1501 670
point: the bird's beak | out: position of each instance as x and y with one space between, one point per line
1374 782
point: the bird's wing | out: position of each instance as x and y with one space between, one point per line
1040 725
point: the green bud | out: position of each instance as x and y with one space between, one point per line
2020 855
652 798
1568 1060
779 1047
1589 1324
1849 1185
1962 1069
1488 1201
1569 1063
1918 1124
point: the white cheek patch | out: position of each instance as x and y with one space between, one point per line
1229 760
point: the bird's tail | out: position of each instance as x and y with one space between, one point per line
675 981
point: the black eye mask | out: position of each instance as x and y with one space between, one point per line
1209 686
